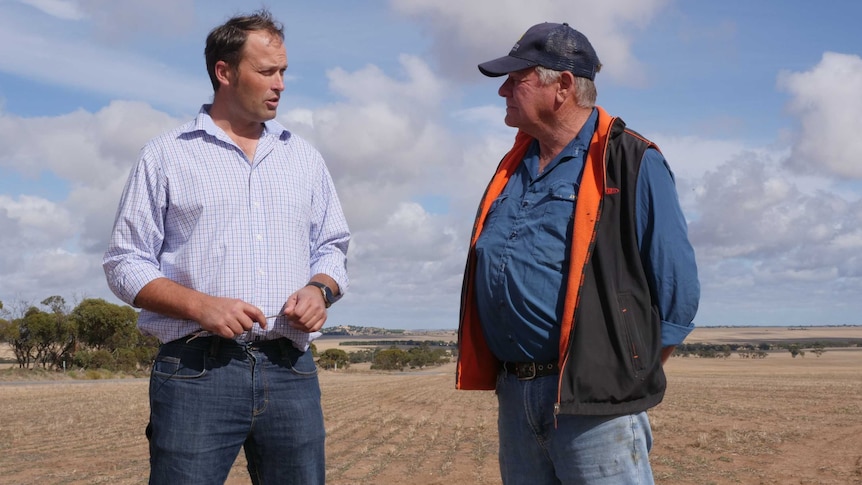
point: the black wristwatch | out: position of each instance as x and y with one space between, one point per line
328 297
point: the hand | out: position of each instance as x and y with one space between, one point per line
665 353
229 317
226 317
305 309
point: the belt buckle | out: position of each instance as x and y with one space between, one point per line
525 367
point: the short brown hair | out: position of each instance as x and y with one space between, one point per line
225 42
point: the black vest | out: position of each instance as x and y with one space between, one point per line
614 360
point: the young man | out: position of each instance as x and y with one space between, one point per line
580 277
230 237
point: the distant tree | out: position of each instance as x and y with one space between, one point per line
818 349
361 356
103 325
390 359
52 335
707 353
423 355
795 350
18 337
57 304
333 359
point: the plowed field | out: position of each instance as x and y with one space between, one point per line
778 420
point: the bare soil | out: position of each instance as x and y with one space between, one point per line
779 420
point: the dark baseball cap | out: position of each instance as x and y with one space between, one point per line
554 46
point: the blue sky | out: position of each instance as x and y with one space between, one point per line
755 105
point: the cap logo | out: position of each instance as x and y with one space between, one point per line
518 44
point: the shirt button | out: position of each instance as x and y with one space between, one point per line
259 237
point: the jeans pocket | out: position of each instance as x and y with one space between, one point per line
180 363
300 363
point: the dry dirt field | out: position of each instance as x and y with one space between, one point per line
777 420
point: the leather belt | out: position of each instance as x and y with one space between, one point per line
531 370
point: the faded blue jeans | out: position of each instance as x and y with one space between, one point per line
209 397
583 450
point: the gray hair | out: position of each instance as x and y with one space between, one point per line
585 89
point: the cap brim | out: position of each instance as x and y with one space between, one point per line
504 65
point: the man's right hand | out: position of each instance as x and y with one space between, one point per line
226 317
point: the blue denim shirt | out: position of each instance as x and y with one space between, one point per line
523 250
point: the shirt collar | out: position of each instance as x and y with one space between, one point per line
574 149
204 122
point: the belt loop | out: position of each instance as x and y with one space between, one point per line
215 345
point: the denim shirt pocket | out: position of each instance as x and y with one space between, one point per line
556 224
494 211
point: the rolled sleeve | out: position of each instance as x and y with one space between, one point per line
667 254
131 260
673 334
330 236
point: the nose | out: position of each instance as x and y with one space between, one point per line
506 88
279 82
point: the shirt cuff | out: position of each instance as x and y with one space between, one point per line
127 282
673 334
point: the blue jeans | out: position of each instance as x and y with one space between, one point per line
209 397
594 450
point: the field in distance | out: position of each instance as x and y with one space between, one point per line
779 420
715 335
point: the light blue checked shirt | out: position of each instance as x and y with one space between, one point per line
194 210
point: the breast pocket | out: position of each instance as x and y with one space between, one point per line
494 211
557 214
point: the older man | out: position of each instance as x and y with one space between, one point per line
580 278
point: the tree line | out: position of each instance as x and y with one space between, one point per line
95 334
760 350
393 358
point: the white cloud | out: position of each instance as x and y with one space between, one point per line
384 141
468 33
413 261
45 56
115 20
62 9
36 221
827 100
761 235
36 259
771 242
88 149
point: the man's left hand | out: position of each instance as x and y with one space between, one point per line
305 309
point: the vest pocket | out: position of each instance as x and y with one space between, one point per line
635 347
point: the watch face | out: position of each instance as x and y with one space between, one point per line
328 297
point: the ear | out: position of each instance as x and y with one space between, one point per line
566 87
224 73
